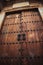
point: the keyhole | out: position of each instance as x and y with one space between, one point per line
21 37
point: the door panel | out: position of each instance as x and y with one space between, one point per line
34 30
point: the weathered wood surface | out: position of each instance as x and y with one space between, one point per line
21 38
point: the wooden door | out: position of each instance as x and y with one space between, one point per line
21 38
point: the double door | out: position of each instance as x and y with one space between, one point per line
21 38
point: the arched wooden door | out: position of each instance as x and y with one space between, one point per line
21 38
